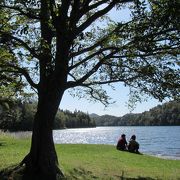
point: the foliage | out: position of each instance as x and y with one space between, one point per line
162 115
142 53
11 83
19 115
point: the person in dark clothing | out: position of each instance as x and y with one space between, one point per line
122 143
133 145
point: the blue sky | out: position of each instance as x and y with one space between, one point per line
120 95
120 108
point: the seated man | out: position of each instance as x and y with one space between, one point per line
133 145
122 143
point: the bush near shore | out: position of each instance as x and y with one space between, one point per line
85 161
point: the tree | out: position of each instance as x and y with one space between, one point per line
10 83
59 46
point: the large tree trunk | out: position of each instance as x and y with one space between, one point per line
42 162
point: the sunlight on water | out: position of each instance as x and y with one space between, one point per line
160 141
85 136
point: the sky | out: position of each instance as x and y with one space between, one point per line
120 95
119 108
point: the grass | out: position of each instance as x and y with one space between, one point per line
81 161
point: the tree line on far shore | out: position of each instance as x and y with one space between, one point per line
18 115
167 114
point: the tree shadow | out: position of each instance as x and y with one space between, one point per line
138 178
2 143
12 172
81 173
16 172
122 177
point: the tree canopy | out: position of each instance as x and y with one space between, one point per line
142 53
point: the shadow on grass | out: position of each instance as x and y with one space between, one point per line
16 172
80 173
122 177
2 143
138 178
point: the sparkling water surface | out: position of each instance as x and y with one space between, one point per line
161 141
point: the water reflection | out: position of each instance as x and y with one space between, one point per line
160 141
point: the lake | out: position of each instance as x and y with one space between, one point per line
161 141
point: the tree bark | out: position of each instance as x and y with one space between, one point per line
42 162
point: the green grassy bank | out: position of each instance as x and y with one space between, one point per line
94 161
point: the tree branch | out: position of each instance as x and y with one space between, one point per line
63 10
53 14
90 73
95 16
25 45
19 70
86 8
18 9
98 43
92 55
120 79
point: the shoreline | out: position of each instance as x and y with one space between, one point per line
27 134
176 158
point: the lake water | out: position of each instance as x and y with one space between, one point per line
161 141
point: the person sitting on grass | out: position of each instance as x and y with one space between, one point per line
122 143
133 145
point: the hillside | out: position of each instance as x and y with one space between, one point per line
167 114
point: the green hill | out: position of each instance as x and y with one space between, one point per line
167 114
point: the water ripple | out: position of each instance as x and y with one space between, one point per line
161 141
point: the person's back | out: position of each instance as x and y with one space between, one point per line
122 143
133 145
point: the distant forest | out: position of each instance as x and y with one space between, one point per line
162 115
18 115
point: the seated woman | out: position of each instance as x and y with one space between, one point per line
133 145
122 143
